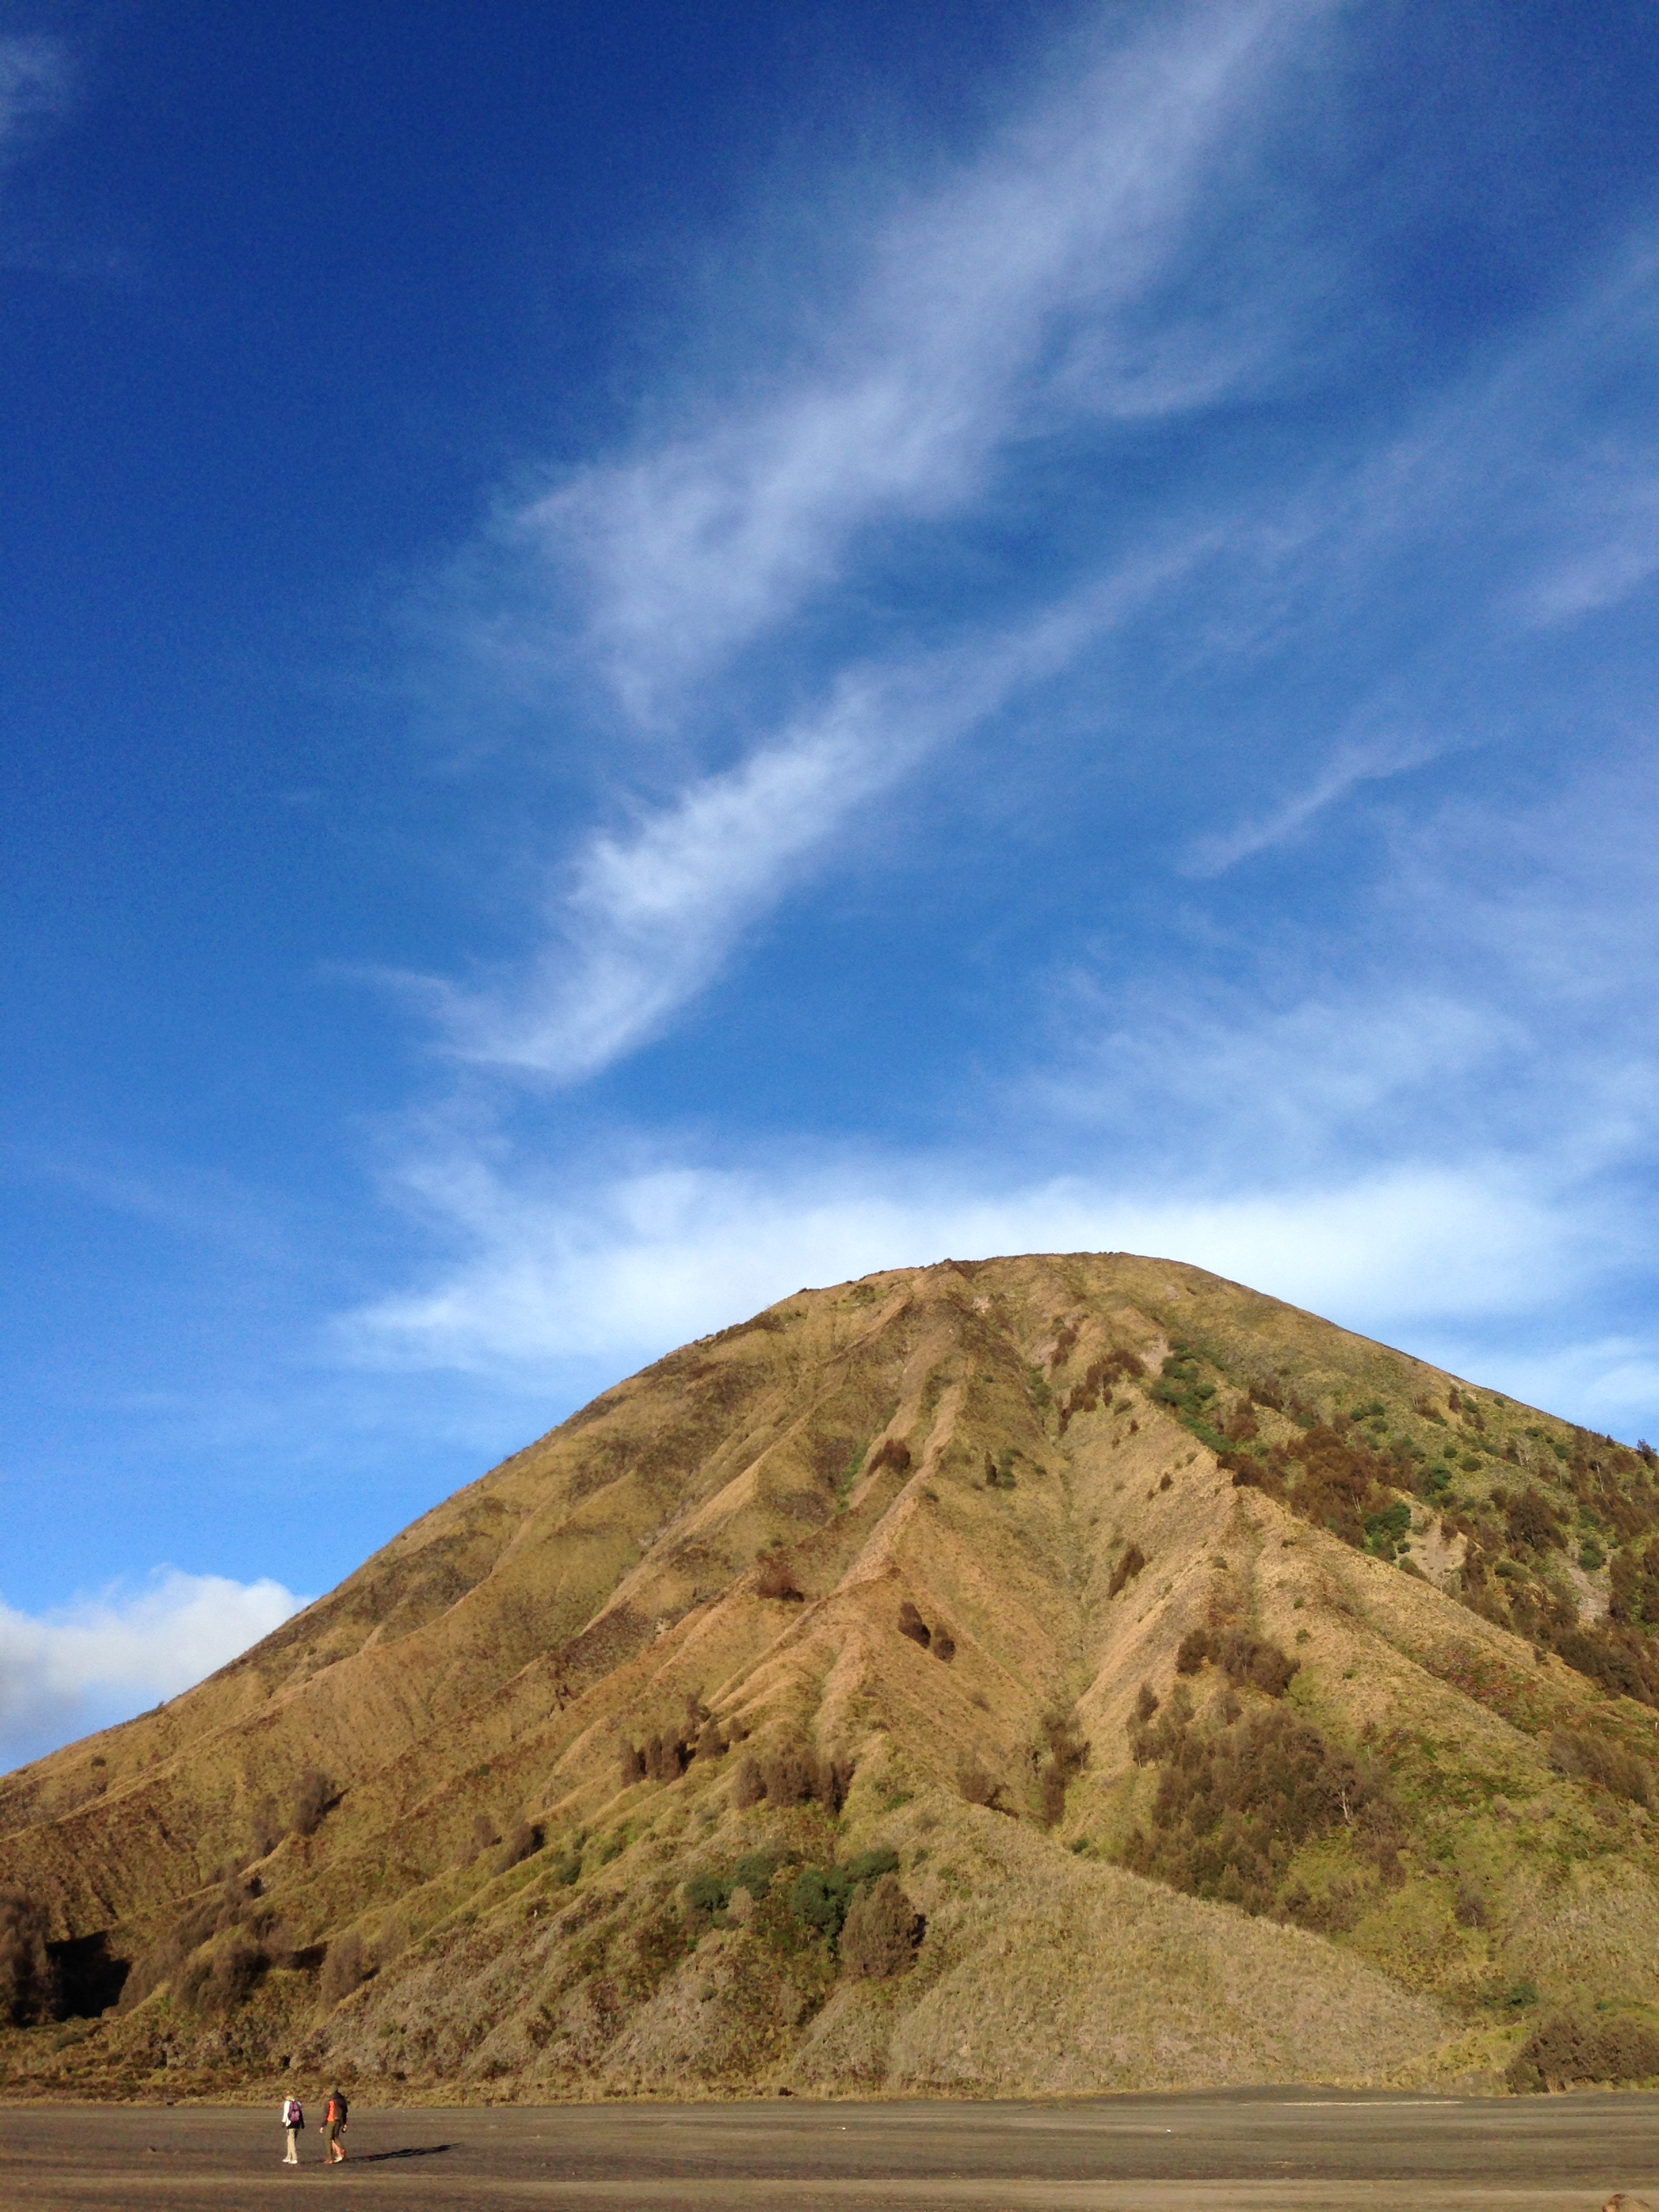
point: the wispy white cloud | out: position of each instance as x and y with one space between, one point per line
1416 1101
195 1206
39 84
105 1658
1474 997
1437 1140
646 917
1235 1087
1615 553
1351 765
1504 501
1521 494
1538 914
650 913
35 84
653 1258
1002 299
1593 474
1011 296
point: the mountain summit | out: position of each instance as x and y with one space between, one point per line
1047 1674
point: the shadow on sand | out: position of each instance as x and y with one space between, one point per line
380 2157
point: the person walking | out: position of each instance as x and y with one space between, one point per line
334 2120
294 2120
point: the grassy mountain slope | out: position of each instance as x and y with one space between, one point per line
1050 1672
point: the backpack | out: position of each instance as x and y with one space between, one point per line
292 2115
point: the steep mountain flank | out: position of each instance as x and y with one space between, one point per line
1053 1673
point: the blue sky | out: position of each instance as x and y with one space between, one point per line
657 655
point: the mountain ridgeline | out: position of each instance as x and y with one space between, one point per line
1060 1674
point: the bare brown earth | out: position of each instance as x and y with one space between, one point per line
1263 2152
730 1557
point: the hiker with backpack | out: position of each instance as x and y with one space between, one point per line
294 2120
334 2120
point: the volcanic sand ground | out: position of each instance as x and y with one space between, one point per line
1238 2151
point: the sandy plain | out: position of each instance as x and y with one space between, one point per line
1279 2150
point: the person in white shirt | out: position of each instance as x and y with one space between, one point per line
294 2120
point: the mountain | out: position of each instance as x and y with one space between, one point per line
1056 1673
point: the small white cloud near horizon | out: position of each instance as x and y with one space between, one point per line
105 1658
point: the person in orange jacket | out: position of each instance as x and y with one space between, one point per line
334 2120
